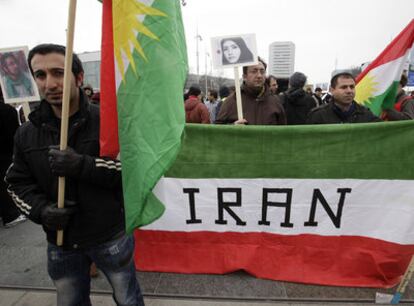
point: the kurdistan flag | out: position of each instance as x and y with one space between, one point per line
144 66
377 85
321 204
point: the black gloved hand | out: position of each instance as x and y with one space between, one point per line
54 218
66 162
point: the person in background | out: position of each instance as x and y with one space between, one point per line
271 82
195 110
308 90
96 98
296 101
212 104
224 92
88 90
404 106
93 218
260 107
317 96
9 122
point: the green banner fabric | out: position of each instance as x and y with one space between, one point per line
366 151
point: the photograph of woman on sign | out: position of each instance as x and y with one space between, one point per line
234 51
16 80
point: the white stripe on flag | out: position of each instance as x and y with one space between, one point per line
388 73
381 209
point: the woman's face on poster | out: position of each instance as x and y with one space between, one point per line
231 51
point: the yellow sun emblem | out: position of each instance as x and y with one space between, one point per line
365 89
127 24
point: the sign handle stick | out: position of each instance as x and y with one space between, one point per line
65 104
238 93
26 110
403 284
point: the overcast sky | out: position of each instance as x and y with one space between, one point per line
325 32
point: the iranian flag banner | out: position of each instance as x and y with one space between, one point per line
143 71
377 85
323 204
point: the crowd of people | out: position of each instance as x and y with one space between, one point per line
263 105
31 161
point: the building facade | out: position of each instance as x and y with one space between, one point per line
91 62
281 59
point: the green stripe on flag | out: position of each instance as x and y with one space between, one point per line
360 151
384 101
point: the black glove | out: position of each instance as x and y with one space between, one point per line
66 162
54 218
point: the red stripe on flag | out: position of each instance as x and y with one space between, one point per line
397 48
333 260
109 116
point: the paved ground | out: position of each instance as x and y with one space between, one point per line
23 265
29 298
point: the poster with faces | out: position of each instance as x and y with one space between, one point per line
234 50
16 81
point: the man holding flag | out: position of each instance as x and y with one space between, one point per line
93 217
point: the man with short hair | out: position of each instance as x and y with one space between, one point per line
260 107
195 110
17 83
317 96
296 101
342 108
212 104
93 217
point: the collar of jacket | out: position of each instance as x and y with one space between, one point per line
343 115
257 93
295 93
43 114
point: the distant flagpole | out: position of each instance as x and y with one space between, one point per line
65 103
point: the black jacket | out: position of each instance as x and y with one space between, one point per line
9 123
330 113
97 190
297 104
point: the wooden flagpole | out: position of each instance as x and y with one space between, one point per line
404 282
65 103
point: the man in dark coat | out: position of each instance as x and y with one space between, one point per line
93 217
342 108
296 101
259 106
9 123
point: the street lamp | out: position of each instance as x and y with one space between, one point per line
198 38
205 72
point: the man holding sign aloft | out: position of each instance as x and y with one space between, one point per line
260 107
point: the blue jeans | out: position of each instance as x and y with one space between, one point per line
69 270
